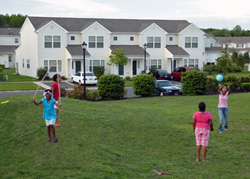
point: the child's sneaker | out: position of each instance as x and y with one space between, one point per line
55 140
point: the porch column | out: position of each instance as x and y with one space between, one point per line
172 63
131 68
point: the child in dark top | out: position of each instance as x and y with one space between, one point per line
49 113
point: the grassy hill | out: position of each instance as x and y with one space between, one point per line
122 139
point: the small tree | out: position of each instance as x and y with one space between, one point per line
117 58
240 61
224 62
246 56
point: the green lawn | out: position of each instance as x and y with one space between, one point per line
18 86
122 139
128 83
12 77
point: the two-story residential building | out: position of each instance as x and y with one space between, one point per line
46 40
9 41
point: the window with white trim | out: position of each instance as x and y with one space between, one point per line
16 40
53 65
23 63
191 62
170 39
155 64
72 37
131 38
191 42
96 42
240 45
95 63
115 38
153 42
28 63
10 58
52 41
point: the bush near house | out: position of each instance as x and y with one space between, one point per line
212 84
194 83
92 95
99 71
245 87
144 84
40 72
111 87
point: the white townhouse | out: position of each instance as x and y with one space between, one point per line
9 41
212 50
46 40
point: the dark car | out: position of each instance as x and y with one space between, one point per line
165 88
160 74
177 73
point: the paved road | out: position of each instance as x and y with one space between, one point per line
69 86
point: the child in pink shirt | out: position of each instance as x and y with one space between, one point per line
201 122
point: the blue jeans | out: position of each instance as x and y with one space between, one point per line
223 112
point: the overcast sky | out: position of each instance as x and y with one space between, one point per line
203 13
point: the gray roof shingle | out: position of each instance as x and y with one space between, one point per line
213 49
76 50
237 40
8 48
130 50
176 50
113 25
9 31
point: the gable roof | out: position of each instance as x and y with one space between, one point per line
8 48
10 31
113 25
176 50
233 40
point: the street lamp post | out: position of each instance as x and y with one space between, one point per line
145 47
84 45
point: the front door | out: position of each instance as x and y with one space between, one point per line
134 67
174 64
121 70
78 66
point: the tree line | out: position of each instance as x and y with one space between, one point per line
237 31
14 20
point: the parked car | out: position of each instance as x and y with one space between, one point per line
160 74
177 73
165 88
90 79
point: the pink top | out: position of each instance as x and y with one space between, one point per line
202 119
223 100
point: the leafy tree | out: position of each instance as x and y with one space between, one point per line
12 21
118 58
234 55
240 61
224 62
246 56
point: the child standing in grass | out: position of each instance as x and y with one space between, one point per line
55 89
201 122
49 113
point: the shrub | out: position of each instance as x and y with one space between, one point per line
92 95
63 92
111 87
232 86
208 67
76 93
2 66
212 84
99 71
40 72
127 78
245 86
194 83
235 80
144 84
63 78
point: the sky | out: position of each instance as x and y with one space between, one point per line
203 13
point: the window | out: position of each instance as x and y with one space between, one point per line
171 39
240 45
95 63
52 41
28 63
115 38
53 65
191 62
16 40
131 38
96 41
23 63
155 64
10 58
191 42
154 42
72 38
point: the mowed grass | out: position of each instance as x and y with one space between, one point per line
122 139
18 86
13 77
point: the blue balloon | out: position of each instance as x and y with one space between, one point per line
219 77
